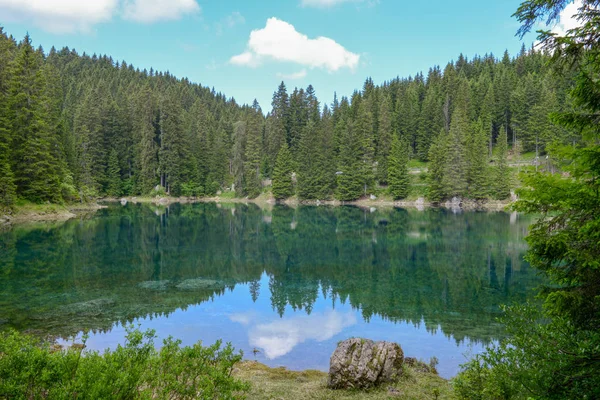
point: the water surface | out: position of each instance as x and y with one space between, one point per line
288 283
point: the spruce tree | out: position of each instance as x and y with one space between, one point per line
35 164
349 178
171 153
437 168
455 172
7 184
364 130
502 175
477 173
113 175
398 177
146 149
252 183
283 187
384 139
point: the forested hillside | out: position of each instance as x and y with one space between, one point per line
75 127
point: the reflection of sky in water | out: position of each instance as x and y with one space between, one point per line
297 341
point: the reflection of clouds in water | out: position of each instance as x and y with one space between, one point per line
279 337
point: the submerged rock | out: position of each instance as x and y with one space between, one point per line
362 364
200 283
92 307
154 285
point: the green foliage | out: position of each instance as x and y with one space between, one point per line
477 173
33 370
540 358
252 182
554 352
283 187
454 179
502 181
65 113
350 182
191 189
113 175
398 176
437 167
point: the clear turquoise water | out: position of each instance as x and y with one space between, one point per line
287 282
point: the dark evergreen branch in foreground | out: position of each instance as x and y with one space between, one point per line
75 127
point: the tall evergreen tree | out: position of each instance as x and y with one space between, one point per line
349 178
455 173
114 175
173 151
384 139
502 176
253 151
35 164
477 173
283 187
437 168
399 179
364 129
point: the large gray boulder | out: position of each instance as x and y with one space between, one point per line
362 364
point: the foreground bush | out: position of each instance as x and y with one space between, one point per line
541 358
30 370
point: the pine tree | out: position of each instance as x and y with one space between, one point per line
364 130
113 175
384 139
477 174
398 177
252 183
7 184
35 164
172 154
146 138
455 173
283 187
502 176
437 167
349 179
310 168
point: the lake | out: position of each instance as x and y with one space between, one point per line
283 284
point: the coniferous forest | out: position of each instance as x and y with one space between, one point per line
76 127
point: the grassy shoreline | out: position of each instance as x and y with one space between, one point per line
30 212
281 383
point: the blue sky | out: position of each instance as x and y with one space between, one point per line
210 42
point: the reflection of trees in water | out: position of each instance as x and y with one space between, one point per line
450 271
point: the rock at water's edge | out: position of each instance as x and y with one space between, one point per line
362 364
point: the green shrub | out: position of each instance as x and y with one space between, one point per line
33 370
191 189
541 358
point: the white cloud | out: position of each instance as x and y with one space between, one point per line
280 41
567 19
59 16
246 58
279 337
333 3
155 10
293 76
69 16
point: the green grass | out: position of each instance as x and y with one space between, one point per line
281 383
417 164
27 207
227 195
